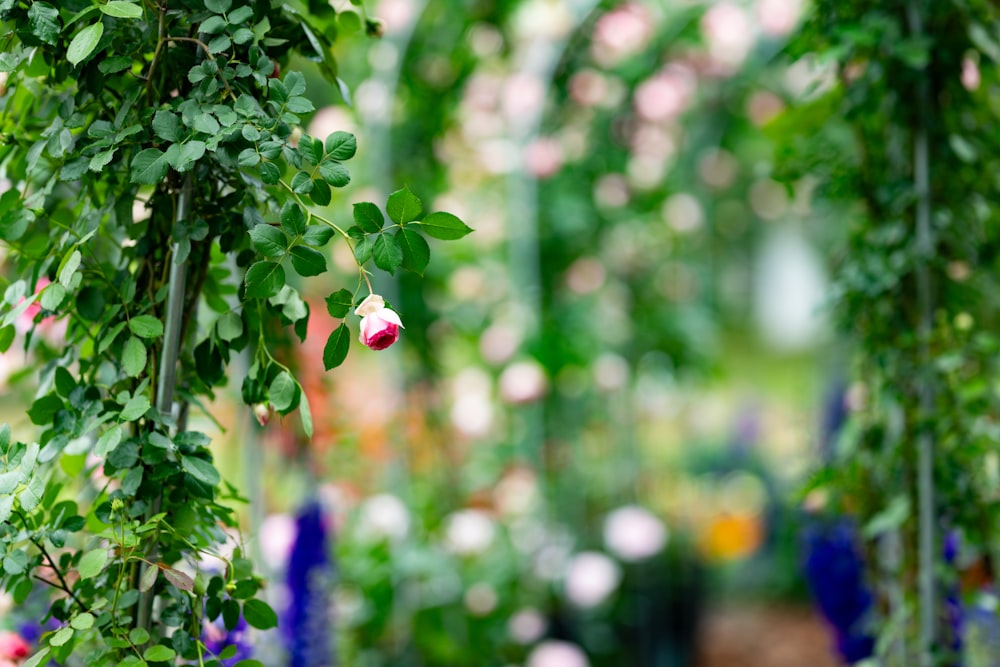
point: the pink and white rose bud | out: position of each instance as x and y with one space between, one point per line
262 413
379 325
13 646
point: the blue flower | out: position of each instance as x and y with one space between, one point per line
307 623
217 638
835 572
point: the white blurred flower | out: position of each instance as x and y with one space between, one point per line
527 626
517 492
472 407
729 32
383 516
523 382
778 17
632 533
555 653
480 599
611 371
590 578
276 536
683 212
469 532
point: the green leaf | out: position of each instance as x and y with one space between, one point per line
108 441
416 252
201 470
337 346
269 241
65 384
444 226
229 326
186 154
135 408
7 334
205 122
293 218
258 614
269 173
213 25
43 21
264 279
317 235
141 635
339 303
308 262
302 183
90 303
305 414
149 166
167 125
122 10
44 409
368 217
341 145
218 6
53 296
37 659
334 173
101 160
282 391
387 253
61 637
92 563
15 562
403 206
68 267
321 193
248 157
240 15
84 43
159 653
133 357
146 326
363 249
84 621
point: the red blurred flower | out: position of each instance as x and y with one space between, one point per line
13 646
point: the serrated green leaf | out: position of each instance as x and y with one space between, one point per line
167 125
403 206
133 356
84 621
7 334
69 267
213 25
269 241
84 43
149 167
205 122
135 408
444 226
282 391
302 183
341 145
101 160
387 253
334 173
122 10
317 235
141 635
62 636
38 658
240 15
229 327
52 296
363 249
264 279
44 409
201 470
146 326
65 384
339 303
293 218
92 563
108 441
219 44
416 252
159 653
321 193
337 346
186 154
305 414
269 173
368 217
258 614
308 262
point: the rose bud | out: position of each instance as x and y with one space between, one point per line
13 646
262 412
379 325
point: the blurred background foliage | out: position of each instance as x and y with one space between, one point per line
590 443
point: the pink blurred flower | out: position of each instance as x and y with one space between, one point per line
543 157
26 320
665 95
620 33
970 74
379 325
262 413
13 646
555 653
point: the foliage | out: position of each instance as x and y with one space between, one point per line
162 204
918 300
